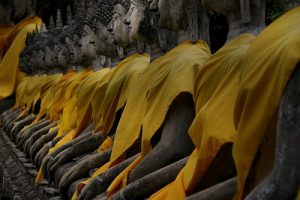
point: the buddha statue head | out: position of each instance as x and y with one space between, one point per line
86 40
143 28
185 17
104 42
51 53
38 59
117 27
243 16
141 22
26 62
87 46
73 47
62 54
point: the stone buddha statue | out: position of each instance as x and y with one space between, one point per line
86 33
51 54
90 51
186 18
26 61
142 24
73 48
38 57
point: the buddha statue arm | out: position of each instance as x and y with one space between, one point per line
174 143
93 141
283 180
100 184
41 142
82 168
49 158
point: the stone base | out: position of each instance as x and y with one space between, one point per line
17 175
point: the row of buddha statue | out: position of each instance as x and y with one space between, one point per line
126 101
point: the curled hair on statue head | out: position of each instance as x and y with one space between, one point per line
104 11
124 3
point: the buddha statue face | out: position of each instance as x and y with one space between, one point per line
70 45
73 50
35 58
26 63
104 41
62 55
118 28
41 59
50 57
87 45
140 22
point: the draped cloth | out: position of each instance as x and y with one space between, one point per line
62 106
161 82
270 62
10 76
107 144
123 80
216 92
85 93
32 89
52 95
68 119
5 31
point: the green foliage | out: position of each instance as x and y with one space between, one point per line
273 11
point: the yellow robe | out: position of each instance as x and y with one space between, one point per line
97 100
53 102
62 105
68 120
31 90
5 31
123 80
271 60
85 93
161 82
216 92
20 93
10 76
